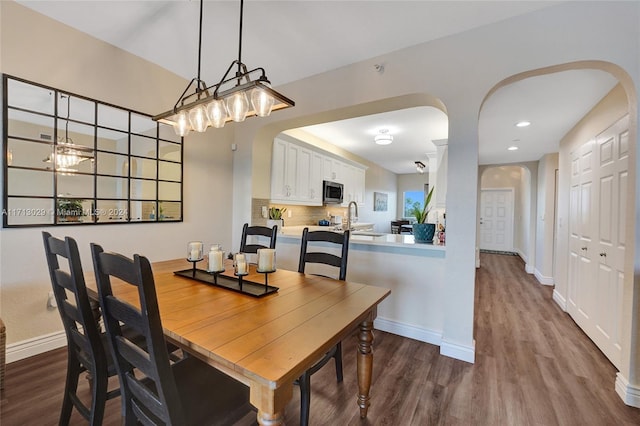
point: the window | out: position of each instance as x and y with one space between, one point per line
413 199
70 160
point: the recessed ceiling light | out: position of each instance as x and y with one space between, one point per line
513 148
523 123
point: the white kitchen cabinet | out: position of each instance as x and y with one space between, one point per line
297 172
279 170
354 184
359 184
315 181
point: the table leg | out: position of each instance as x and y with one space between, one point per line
270 403
365 365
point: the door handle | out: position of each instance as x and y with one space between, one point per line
603 254
583 248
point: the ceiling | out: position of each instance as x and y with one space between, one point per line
166 33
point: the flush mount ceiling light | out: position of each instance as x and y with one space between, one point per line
383 137
512 148
420 166
233 98
66 154
523 123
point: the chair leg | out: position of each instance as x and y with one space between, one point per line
98 397
338 359
305 398
70 387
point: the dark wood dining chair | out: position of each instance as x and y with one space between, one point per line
263 233
186 392
86 344
311 255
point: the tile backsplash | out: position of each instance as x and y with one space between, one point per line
300 215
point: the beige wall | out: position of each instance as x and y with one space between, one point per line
409 182
95 69
545 218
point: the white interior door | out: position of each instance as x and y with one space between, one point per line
598 204
496 219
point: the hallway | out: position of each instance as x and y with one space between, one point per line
533 367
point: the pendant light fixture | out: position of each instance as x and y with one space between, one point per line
420 167
383 137
233 98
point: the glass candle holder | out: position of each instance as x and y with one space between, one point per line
240 265
216 259
266 260
194 251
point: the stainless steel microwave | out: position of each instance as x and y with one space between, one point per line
332 192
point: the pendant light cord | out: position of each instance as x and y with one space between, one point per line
240 41
200 46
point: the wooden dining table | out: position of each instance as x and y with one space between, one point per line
268 342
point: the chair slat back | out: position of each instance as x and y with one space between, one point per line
150 396
79 316
307 256
257 231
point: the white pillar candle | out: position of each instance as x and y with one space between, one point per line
194 250
266 260
215 261
241 266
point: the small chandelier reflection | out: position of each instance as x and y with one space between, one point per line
66 155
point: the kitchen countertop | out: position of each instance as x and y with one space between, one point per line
366 238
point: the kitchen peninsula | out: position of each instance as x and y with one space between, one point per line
413 272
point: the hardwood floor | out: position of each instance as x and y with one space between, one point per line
533 367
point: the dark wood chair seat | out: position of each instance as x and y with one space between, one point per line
309 255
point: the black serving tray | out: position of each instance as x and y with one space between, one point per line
250 288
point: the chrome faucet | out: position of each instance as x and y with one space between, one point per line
349 213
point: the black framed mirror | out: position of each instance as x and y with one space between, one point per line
72 160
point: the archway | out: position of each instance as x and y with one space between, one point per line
619 104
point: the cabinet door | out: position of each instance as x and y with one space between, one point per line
278 169
303 181
327 169
315 185
291 172
359 184
346 174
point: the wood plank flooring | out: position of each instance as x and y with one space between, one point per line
533 367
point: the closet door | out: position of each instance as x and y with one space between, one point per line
582 223
613 159
597 237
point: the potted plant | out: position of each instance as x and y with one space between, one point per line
70 210
275 217
423 232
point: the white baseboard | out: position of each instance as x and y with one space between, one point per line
406 330
542 279
35 346
560 300
457 351
629 394
522 255
450 349
528 268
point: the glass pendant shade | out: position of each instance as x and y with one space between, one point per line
262 102
217 113
237 106
198 119
181 125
